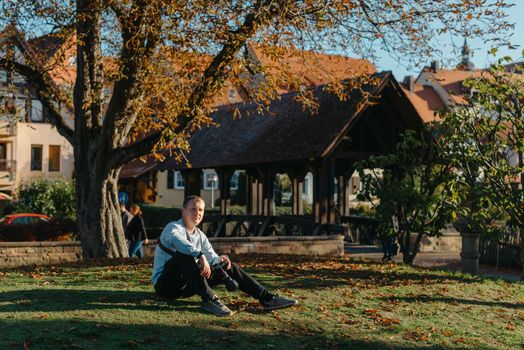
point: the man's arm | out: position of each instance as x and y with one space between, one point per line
208 250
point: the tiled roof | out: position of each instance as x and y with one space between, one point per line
137 167
425 101
313 68
451 80
287 133
46 46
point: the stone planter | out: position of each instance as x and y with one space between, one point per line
470 253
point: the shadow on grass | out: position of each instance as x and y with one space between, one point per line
438 299
66 334
319 277
301 272
46 300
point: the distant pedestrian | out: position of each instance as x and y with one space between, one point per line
126 219
136 231
126 215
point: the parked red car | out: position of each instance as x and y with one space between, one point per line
24 219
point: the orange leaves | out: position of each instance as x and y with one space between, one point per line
379 319
416 334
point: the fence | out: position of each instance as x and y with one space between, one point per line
503 251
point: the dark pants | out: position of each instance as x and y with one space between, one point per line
135 249
181 279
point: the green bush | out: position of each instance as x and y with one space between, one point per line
54 198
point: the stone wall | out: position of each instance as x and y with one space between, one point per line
13 254
448 241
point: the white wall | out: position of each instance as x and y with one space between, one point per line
45 135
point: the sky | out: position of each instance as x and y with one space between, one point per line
480 56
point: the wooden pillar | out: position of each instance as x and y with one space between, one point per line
254 193
297 206
323 192
224 177
344 173
192 181
296 175
268 200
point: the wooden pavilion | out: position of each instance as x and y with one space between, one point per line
289 139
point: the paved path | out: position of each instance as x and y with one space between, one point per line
445 260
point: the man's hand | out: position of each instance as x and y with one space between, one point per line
146 241
226 259
204 266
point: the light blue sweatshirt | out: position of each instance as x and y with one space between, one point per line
174 237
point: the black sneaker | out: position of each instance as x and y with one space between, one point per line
278 302
215 306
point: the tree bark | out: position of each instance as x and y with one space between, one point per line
411 251
522 252
98 215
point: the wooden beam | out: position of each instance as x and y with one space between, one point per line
192 180
268 199
323 192
297 205
296 176
254 193
224 183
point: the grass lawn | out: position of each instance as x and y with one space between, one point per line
344 304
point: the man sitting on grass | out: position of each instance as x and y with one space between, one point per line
183 260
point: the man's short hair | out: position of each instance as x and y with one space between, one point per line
122 205
191 198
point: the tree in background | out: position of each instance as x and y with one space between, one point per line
411 190
485 146
142 82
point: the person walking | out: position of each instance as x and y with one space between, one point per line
126 215
136 231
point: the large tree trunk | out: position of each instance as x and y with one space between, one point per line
98 215
522 252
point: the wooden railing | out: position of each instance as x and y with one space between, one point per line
361 229
260 225
354 228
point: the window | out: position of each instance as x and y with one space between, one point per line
179 181
20 220
234 180
175 180
36 157
210 180
37 112
21 110
355 185
305 186
54 158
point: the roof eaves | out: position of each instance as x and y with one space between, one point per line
356 116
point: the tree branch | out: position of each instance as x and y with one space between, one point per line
45 90
125 154
212 79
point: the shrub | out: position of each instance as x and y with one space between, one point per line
54 198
